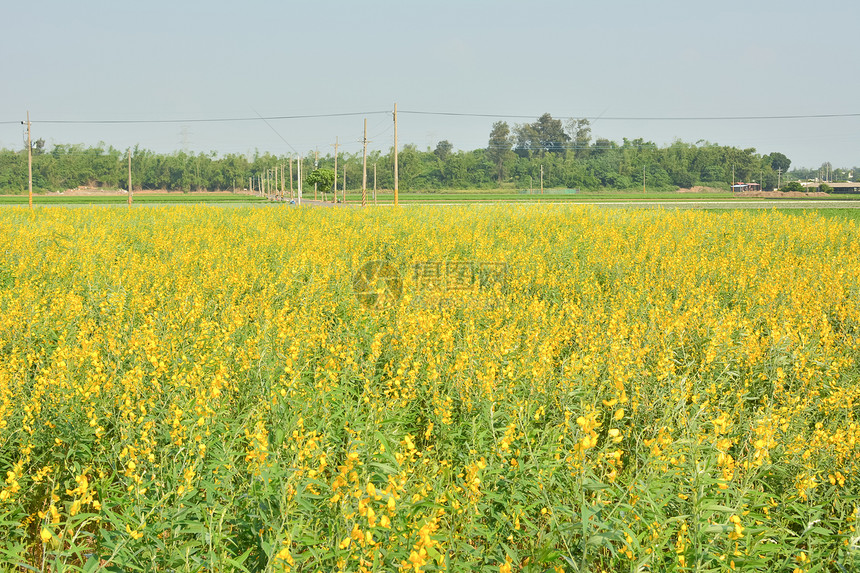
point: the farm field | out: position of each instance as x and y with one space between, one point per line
138 198
471 196
549 196
504 388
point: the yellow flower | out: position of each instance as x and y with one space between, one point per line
133 533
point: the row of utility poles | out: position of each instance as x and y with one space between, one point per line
266 184
272 182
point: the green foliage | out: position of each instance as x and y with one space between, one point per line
544 135
499 147
792 186
443 150
513 158
323 177
779 161
825 188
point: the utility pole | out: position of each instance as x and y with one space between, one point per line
291 177
129 176
300 178
396 196
251 185
541 179
364 168
778 177
282 181
29 161
316 164
335 170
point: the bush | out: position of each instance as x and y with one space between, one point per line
825 188
792 186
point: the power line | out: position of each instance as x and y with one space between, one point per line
205 120
277 133
644 118
440 113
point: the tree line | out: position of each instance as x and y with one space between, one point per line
565 155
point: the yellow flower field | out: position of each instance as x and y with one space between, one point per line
550 388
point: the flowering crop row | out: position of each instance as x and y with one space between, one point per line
197 388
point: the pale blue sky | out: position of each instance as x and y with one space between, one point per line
99 60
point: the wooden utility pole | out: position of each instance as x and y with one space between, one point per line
541 179
291 177
129 177
335 171
251 185
396 196
364 168
316 162
282 181
299 167
29 161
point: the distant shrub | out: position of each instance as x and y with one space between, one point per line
825 188
792 186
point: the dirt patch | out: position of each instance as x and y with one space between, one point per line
700 189
781 194
758 194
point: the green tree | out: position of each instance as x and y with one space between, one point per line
544 135
779 161
499 148
443 150
792 186
323 177
579 130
